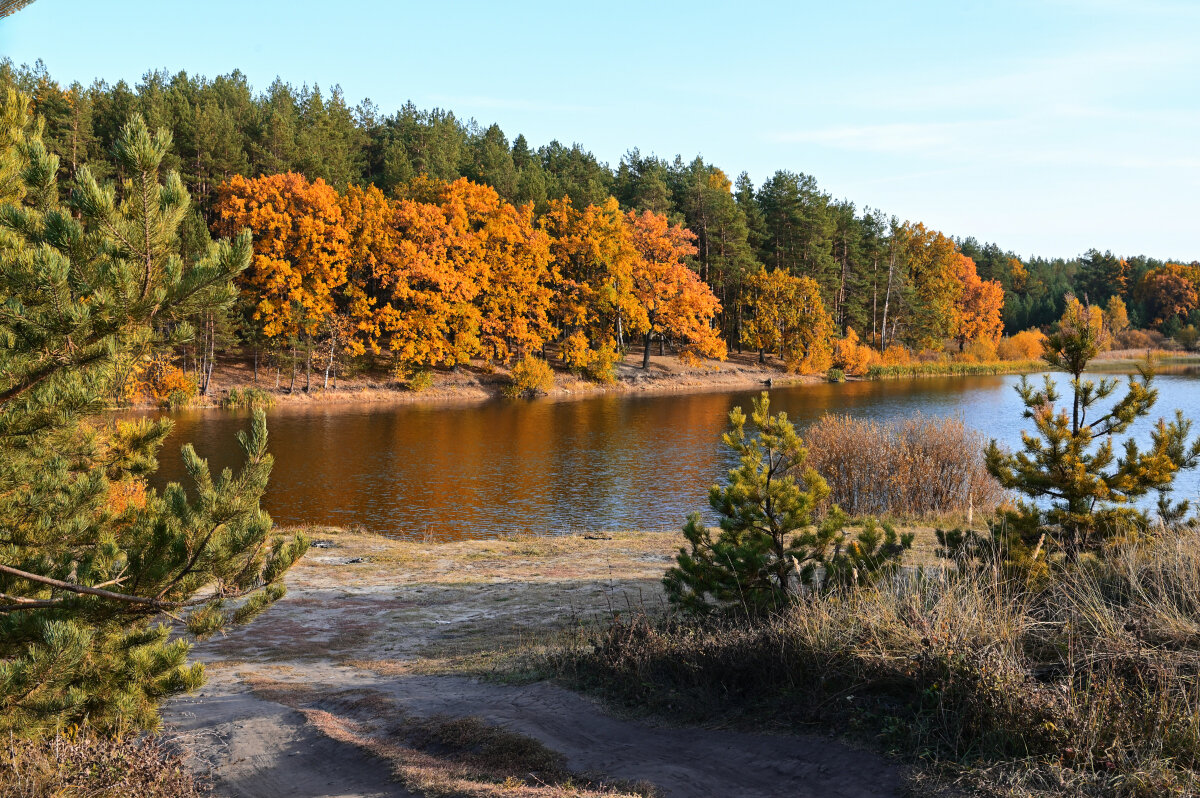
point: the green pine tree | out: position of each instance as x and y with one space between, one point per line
768 552
88 584
1083 492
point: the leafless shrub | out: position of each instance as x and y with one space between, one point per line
915 467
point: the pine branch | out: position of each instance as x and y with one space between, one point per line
10 7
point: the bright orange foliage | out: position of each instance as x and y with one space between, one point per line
515 272
853 357
444 281
300 247
976 315
428 303
674 302
374 242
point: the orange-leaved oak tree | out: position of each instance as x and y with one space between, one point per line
300 247
673 301
977 311
301 252
594 258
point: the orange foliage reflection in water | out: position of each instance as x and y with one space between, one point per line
641 462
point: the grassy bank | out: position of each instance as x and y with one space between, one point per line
953 369
1086 685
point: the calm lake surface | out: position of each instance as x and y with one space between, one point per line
603 463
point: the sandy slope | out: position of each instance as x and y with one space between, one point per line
358 651
477 382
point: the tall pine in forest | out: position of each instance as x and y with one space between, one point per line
86 577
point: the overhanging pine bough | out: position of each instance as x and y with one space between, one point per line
85 285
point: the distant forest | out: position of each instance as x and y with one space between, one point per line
873 272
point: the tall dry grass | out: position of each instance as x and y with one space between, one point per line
80 764
917 467
1084 685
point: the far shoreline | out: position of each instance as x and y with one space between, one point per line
476 383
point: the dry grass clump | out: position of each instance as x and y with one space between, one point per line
917 467
82 764
1086 685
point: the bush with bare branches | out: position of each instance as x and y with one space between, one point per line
916 467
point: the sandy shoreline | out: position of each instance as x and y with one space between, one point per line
478 383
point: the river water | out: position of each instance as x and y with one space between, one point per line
602 463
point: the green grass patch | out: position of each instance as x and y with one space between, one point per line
952 369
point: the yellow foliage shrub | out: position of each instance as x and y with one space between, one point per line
530 377
896 355
816 360
167 384
851 356
603 365
1025 345
982 350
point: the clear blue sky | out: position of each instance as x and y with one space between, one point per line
1048 126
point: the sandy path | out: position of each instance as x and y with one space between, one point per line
367 654
256 748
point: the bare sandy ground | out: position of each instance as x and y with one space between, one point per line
321 696
478 382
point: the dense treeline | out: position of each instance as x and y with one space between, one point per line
789 268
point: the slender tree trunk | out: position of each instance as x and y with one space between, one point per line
308 366
646 351
292 386
212 354
256 363
887 298
874 300
329 365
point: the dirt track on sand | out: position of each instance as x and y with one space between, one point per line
314 698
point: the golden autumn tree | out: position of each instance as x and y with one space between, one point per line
1116 315
673 300
1170 290
428 306
374 240
594 258
787 316
977 311
934 265
513 264
301 252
